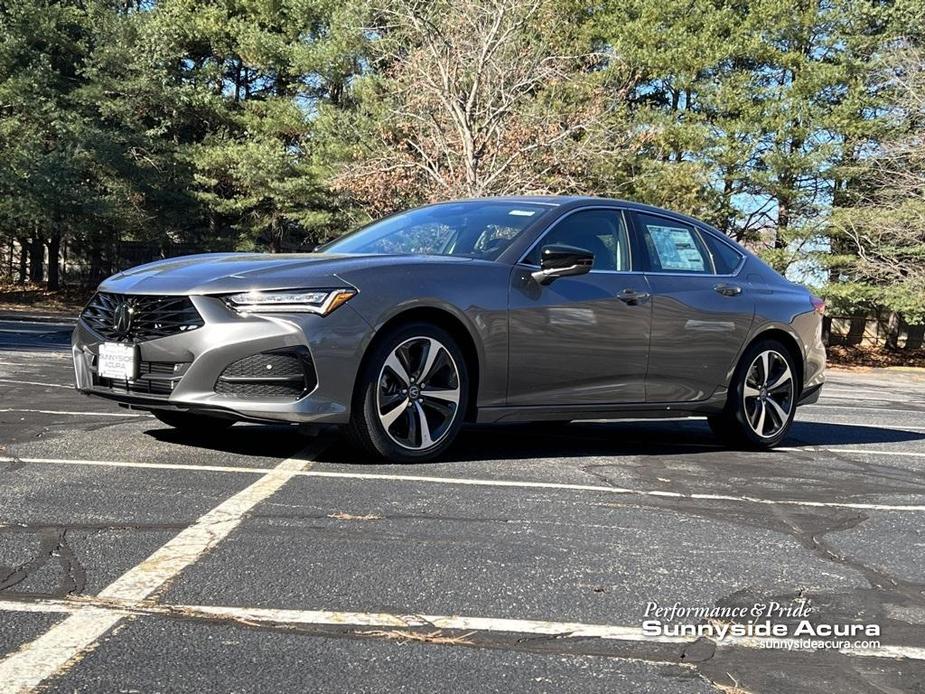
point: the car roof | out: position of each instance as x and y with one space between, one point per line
578 200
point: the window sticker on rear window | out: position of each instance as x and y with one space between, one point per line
522 213
676 249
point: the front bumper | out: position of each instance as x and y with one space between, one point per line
334 342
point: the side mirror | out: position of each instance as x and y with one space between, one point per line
562 261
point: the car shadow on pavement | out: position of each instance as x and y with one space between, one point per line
273 441
535 440
587 439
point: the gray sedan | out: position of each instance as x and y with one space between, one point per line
488 310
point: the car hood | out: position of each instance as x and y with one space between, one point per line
219 273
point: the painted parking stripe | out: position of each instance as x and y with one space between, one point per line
32 331
476 482
867 425
36 349
77 414
66 642
855 451
268 617
862 407
36 383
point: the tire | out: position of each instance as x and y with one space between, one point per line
391 397
765 381
192 423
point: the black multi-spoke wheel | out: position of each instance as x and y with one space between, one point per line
411 398
762 398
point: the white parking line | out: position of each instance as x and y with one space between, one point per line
37 350
856 451
34 354
38 317
66 642
29 331
868 425
35 383
476 482
76 414
862 407
274 617
829 390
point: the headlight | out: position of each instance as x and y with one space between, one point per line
320 301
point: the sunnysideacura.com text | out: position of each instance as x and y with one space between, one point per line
772 624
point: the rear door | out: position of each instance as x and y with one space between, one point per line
701 309
580 340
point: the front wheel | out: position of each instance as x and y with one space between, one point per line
412 395
762 398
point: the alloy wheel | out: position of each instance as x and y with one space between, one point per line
768 394
417 397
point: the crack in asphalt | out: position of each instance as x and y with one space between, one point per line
52 545
13 465
808 527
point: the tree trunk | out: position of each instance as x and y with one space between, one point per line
23 260
54 260
894 327
96 262
36 260
915 336
783 219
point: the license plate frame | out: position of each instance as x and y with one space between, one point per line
118 360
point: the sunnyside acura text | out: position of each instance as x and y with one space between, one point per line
489 310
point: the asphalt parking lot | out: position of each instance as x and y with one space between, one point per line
134 558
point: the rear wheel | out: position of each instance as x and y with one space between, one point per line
412 395
193 423
762 398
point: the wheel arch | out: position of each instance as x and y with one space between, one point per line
447 320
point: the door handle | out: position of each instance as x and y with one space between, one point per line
632 297
727 289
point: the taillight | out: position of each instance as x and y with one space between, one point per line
818 304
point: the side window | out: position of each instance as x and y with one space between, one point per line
603 232
673 246
725 258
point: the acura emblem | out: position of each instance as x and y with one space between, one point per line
122 318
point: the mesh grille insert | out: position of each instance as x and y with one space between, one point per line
280 374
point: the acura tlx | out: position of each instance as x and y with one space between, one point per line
487 310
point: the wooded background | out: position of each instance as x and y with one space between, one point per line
132 130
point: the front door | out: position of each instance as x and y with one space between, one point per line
581 340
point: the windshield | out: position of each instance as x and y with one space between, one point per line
475 229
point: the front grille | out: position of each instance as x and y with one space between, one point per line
287 373
139 318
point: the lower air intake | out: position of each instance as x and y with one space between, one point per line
286 373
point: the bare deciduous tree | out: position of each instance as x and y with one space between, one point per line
476 102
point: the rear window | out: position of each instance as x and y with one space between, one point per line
725 258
